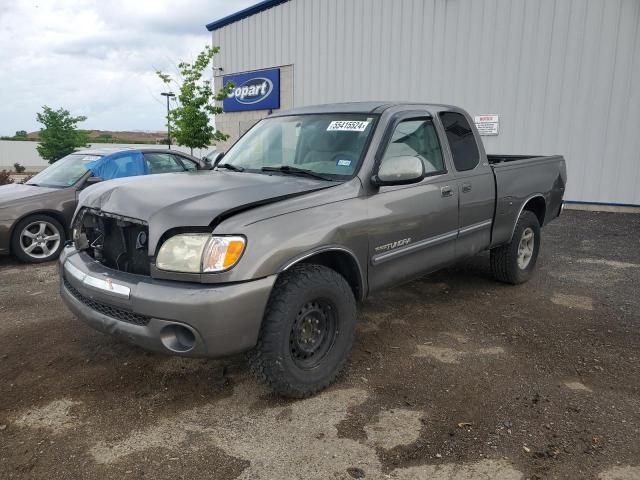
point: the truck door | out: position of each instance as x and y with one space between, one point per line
414 227
474 183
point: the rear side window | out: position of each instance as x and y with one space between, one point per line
461 140
190 165
162 163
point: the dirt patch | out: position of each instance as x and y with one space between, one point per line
482 470
573 301
242 432
442 354
452 355
577 386
391 415
55 416
395 427
621 473
608 263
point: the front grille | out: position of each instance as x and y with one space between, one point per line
109 311
117 242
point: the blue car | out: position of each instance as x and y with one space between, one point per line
35 216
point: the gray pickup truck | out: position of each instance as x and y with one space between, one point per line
312 210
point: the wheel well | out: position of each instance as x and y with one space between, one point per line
55 215
343 263
538 207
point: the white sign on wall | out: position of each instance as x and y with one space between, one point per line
487 124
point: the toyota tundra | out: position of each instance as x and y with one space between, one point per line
309 212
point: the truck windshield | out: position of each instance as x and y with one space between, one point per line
63 173
329 145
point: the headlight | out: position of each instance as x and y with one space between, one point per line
200 252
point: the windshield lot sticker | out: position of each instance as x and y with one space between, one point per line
347 126
343 163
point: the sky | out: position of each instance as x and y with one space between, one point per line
97 57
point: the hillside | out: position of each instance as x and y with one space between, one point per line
108 136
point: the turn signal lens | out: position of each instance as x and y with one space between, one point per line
222 253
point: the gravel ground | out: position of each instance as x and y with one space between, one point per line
453 376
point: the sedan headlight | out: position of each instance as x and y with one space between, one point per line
200 252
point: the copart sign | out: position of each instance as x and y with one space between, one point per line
259 90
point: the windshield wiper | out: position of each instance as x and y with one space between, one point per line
288 169
231 167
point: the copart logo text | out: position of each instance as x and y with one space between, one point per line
252 91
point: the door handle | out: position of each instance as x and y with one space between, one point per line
466 187
446 191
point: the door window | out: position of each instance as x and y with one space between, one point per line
162 163
416 137
464 148
190 165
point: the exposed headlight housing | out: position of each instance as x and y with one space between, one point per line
200 253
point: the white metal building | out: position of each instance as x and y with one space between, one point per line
562 75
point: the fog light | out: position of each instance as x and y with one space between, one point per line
178 338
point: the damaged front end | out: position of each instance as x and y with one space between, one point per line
116 241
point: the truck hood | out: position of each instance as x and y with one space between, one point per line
198 199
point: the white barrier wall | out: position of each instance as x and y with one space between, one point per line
25 153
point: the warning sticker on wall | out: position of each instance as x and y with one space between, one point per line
487 124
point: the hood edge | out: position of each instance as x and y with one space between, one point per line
250 206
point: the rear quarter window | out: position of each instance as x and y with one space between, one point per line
464 148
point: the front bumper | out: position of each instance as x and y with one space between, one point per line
177 318
5 236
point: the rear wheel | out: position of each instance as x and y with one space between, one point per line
514 263
307 331
37 238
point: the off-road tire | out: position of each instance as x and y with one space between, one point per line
504 259
272 359
16 247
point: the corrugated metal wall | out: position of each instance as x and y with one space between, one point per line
564 75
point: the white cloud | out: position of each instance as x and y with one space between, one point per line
97 58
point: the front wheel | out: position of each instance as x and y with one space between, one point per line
514 262
307 331
37 238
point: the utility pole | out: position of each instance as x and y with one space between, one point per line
168 95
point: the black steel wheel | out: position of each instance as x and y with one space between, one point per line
307 331
313 333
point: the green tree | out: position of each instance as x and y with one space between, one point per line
59 136
190 121
21 135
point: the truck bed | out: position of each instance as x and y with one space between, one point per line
520 178
493 159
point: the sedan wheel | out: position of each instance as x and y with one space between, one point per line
38 238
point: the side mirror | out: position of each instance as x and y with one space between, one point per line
91 181
215 160
212 160
401 170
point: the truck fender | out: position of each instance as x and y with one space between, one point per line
355 276
522 207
